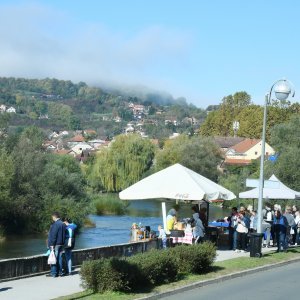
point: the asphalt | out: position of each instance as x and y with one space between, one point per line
273 284
45 288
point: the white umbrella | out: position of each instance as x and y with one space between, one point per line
282 192
176 182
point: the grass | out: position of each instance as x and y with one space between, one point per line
219 269
109 204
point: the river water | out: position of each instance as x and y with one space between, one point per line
109 230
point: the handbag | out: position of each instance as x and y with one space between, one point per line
52 258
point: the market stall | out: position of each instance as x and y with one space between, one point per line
180 184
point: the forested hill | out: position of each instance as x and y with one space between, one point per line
62 104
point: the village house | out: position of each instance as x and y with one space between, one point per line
82 146
75 140
117 119
226 142
171 120
3 108
245 151
97 143
65 152
11 110
190 120
129 129
53 135
49 146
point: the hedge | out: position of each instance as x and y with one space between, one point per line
146 269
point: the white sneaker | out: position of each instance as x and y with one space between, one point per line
237 251
243 251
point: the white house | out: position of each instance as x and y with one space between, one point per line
97 143
11 110
78 148
3 108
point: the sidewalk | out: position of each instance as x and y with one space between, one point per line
45 288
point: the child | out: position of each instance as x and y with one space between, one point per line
162 236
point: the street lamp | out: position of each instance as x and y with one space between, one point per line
282 89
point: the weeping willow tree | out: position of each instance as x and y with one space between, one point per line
122 164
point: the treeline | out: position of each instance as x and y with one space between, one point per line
130 158
238 107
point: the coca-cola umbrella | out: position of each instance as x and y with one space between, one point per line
179 183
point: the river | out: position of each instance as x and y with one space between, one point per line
109 230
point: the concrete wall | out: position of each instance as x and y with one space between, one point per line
33 265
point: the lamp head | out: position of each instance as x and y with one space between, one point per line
282 90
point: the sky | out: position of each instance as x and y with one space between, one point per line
200 50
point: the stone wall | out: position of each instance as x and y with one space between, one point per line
28 266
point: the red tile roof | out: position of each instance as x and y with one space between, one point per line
234 161
245 145
77 138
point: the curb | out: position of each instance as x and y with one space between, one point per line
218 280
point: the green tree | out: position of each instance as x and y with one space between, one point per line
197 153
122 164
6 179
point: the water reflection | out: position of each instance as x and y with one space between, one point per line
109 230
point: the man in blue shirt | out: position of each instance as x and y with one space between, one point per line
56 241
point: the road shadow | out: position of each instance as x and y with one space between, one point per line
5 289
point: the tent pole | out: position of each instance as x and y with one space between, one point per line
164 214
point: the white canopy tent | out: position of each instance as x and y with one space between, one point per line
176 182
282 192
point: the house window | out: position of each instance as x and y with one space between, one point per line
255 152
267 153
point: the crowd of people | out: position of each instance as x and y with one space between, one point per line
61 240
281 228
195 225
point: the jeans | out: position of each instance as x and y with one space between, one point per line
68 255
57 268
281 241
241 237
232 238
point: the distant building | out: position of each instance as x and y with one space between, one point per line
78 148
11 110
226 142
3 108
245 151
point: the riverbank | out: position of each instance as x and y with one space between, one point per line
108 230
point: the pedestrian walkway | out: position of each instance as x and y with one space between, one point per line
40 287
45 288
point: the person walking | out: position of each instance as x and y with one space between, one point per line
56 241
69 243
280 224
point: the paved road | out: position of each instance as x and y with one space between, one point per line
276 284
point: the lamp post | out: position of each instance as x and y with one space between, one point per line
282 89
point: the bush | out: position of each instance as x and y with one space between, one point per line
195 259
156 266
111 274
146 269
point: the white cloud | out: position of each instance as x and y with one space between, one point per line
37 41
